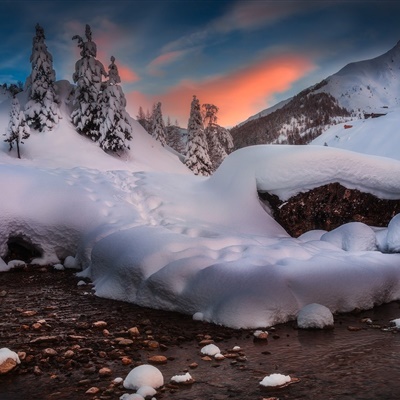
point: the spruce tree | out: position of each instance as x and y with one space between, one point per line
115 128
18 129
219 139
173 136
158 128
88 78
42 108
197 158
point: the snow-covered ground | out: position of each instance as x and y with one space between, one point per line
147 231
378 136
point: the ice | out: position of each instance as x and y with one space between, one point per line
182 378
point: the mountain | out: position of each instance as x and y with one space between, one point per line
360 89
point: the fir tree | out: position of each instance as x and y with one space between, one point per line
141 118
115 128
197 158
88 78
18 129
174 137
158 127
42 108
219 139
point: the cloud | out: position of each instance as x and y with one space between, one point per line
238 94
252 15
164 59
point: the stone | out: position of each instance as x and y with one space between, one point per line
157 360
49 352
99 324
125 342
69 354
93 390
105 371
134 332
8 365
152 344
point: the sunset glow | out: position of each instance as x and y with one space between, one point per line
238 94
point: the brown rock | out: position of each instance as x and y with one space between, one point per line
69 354
193 365
49 352
126 360
134 332
7 365
152 344
105 371
93 390
125 342
99 324
36 326
157 360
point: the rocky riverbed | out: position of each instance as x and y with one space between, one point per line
72 345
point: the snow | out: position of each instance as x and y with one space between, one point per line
275 380
210 350
146 230
315 316
144 375
182 378
6 353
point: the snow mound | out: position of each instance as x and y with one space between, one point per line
353 236
275 380
6 353
210 350
393 235
144 375
185 378
315 316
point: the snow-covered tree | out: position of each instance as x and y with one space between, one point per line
18 129
114 126
88 78
174 137
158 127
197 158
42 108
219 139
141 117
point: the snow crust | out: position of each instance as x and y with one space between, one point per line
182 378
210 350
145 230
315 316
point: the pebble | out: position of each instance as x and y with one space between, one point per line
126 361
157 360
193 365
152 344
7 365
134 332
125 342
49 352
100 324
93 390
105 371
69 354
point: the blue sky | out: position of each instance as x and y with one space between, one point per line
243 56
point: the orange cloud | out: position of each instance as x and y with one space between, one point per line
238 95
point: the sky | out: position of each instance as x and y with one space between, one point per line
242 56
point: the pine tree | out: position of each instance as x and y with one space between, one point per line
18 129
219 139
42 108
158 128
115 128
197 158
174 137
88 78
141 118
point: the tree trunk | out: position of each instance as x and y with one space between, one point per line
19 154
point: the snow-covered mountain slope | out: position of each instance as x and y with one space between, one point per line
369 86
65 148
361 88
376 136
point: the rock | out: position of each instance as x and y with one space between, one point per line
125 342
8 360
193 365
36 326
354 328
7 365
126 360
49 352
93 390
105 371
315 316
3 293
69 354
134 332
152 344
261 335
99 324
37 370
157 360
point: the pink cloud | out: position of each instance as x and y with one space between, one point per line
238 95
